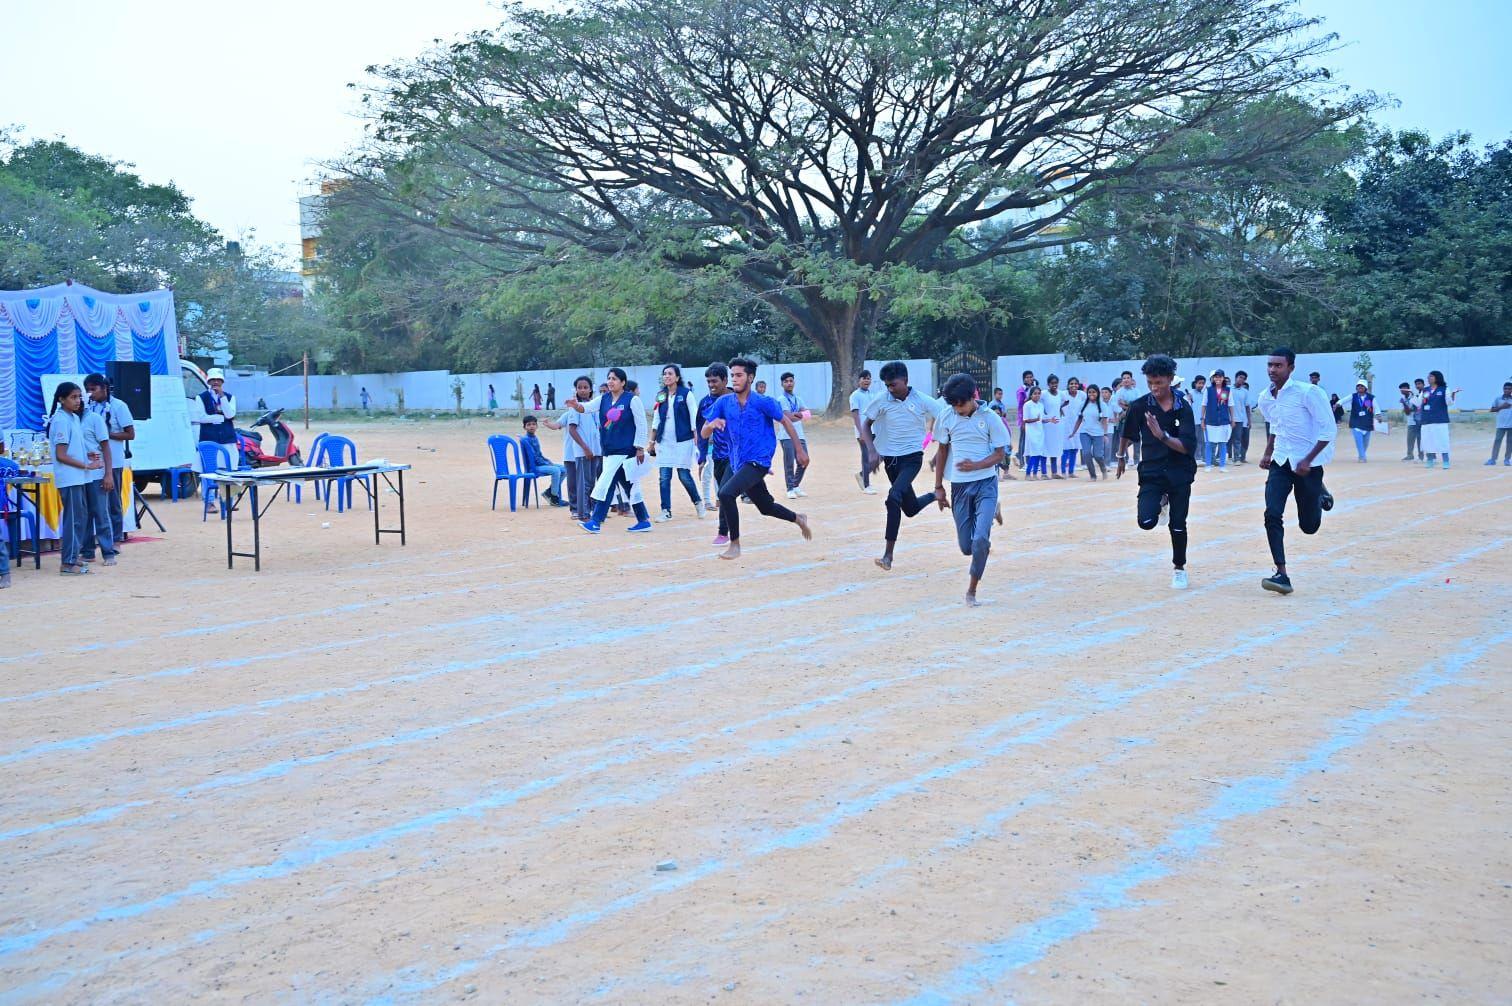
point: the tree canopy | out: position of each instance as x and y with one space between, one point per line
824 155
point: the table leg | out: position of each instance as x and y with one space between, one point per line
230 547
401 506
36 525
377 535
256 532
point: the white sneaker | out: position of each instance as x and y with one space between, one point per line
1179 580
870 491
860 484
792 494
700 508
800 492
664 516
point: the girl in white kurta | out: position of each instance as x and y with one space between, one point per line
1055 434
1034 434
1071 403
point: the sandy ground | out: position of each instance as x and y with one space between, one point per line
450 770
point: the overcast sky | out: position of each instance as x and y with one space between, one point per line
238 103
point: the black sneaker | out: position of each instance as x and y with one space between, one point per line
1280 583
1326 502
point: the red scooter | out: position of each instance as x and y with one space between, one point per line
284 451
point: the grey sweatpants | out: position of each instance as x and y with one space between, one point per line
974 506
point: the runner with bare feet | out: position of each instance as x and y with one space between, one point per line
746 417
972 443
893 428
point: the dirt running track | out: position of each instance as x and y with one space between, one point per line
450 771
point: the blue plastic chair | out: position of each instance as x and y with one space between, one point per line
215 458
505 453
314 456
341 451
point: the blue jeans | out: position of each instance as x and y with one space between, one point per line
1362 441
665 485
1211 450
556 472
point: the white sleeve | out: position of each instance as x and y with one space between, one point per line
228 408
642 428
197 413
1321 410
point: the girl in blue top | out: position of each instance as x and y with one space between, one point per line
1435 418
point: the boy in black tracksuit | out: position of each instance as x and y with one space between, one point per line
1163 425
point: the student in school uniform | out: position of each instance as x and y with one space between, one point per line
121 426
623 433
1071 403
1033 421
674 440
747 419
75 458
1090 431
714 451
102 486
793 408
973 441
1163 421
1217 421
1300 441
896 423
577 456
1054 432
859 399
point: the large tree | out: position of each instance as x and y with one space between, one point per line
824 154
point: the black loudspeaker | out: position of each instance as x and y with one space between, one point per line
131 382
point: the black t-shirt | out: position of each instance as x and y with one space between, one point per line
1178 422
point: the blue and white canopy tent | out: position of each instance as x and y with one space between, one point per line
69 328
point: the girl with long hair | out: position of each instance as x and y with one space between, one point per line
75 459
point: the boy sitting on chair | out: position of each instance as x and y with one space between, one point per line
535 460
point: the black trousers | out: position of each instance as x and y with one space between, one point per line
901 499
1308 489
721 473
1155 483
749 480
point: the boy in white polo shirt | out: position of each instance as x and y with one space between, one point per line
972 443
895 422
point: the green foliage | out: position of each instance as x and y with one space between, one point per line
1420 251
65 214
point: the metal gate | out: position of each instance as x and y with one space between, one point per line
966 362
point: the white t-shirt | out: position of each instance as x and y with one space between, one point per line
570 451
971 438
789 403
95 432
117 416
858 401
70 432
898 426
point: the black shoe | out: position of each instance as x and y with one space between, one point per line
1326 502
1280 583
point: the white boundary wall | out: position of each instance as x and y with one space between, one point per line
1479 371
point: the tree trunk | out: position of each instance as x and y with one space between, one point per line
844 332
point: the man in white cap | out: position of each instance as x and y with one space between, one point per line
216 412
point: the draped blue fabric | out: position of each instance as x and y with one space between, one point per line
95 353
34 358
153 349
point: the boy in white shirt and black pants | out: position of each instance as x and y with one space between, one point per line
972 441
1299 442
